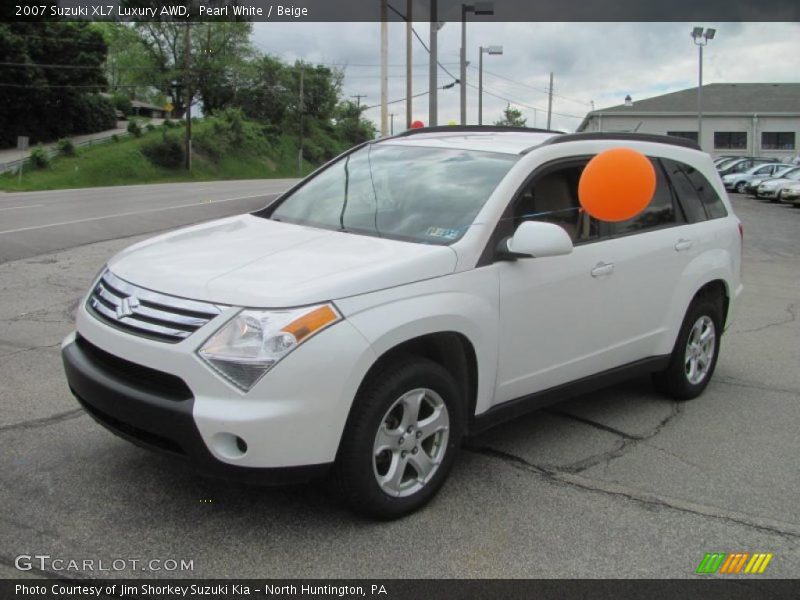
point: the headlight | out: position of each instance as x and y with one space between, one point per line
254 341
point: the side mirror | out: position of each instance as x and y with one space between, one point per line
536 238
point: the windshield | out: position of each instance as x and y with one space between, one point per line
413 193
793 174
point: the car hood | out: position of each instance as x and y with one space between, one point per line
256 262
771 183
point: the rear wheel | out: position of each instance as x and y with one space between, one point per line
694 356
400 440
740 187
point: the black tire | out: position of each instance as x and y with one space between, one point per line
740 187
674 380
356 471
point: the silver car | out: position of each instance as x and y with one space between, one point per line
770 188
753 184
738 181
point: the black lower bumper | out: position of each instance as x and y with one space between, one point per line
154 410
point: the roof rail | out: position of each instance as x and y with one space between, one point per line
621 136
471 128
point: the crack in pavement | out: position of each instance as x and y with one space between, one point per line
628 440
754 385
788 531
44 421
21 350
790 308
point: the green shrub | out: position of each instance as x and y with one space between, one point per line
122 103
166 152
40 159
114 137
169 123
150 127
66 147
134 129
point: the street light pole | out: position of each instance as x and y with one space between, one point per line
479 8
481 51
701 39
433 66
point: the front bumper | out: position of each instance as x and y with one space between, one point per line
155 416
164 397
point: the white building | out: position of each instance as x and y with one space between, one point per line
748 119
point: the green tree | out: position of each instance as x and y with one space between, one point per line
129 67
217 54
266 91
512 117
351 128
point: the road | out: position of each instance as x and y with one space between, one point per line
32 223
617 483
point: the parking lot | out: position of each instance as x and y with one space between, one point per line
618 483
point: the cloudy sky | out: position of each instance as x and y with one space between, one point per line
591 62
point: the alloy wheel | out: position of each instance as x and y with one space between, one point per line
411 442
700 350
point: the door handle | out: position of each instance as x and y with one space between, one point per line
683 244
601 269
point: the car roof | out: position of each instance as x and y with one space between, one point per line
519 140
512 141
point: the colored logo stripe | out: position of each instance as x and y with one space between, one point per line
732 564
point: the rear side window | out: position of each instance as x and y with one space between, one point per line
661 212
685 191
711 200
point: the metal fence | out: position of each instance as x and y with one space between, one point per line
14 165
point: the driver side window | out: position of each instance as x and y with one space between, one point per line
552 197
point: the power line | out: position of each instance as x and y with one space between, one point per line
512 101
444 87
525 85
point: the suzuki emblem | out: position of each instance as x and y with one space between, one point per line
126 306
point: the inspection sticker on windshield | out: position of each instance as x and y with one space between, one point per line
448 234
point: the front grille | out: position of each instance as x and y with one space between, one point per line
138 376
147 313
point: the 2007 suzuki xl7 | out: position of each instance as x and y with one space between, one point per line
413 291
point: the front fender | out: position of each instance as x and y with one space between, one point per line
389 318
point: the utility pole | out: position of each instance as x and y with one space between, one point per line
384 68
391 117
301 106
550 101
463 60
432 66
409 58
358 98
187 90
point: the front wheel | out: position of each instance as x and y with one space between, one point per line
694 356
401 439
740 187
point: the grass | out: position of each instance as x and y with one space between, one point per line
122 163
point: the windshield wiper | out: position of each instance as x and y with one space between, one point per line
346 191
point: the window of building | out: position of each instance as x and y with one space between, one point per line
689 135
777 140
730 140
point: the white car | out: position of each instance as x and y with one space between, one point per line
770 188
790 193
752 185
416 290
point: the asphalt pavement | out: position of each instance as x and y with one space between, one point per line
617 483
32 223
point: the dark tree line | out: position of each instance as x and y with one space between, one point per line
44 102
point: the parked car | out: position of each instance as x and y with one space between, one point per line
414 291
790 194
738 181
724 158
753 184
741 165
769 189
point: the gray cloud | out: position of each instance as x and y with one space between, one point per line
600 62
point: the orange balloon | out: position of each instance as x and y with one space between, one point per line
617 185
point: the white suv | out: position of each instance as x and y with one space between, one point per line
411 292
